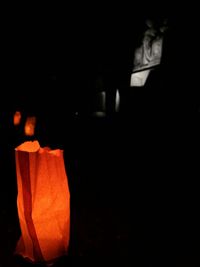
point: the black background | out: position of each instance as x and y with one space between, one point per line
51 57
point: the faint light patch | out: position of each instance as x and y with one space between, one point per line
103 101
139 78
100 105
29 128
99 114
117 101
17 118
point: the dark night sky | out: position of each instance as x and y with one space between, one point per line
75 41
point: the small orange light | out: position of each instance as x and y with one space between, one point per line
29 128
17 118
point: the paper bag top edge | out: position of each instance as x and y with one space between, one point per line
29 146
34 146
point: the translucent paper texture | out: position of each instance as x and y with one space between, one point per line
43 202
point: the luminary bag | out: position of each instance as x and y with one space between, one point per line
43 202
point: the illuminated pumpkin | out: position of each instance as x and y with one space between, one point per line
17 118
43 203
29 128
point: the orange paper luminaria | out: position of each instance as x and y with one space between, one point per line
43 202
17 118
29 128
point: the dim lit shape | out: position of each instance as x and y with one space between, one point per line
17 118
139 78
29 128
117 101
100 104
149 52
43 203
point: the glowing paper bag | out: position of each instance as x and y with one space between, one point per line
43 202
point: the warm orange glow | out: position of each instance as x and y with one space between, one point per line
17 118
29 128
43 202
29 146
